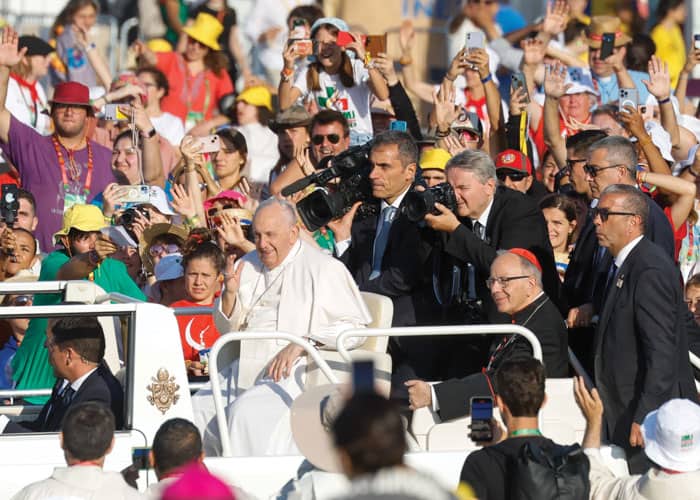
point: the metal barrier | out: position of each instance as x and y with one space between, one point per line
124 39
414 331
216 384
694 360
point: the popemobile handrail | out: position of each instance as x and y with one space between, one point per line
216 383
413 331
694 360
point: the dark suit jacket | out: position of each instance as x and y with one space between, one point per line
100 387
515 221
641 345
544 320
584 280
404 269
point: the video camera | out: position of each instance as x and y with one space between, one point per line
9 204
328 202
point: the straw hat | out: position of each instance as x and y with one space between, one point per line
313 413
605 24
206 30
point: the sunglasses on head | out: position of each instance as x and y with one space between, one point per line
513 176
156 250
332 138
214 210
604 213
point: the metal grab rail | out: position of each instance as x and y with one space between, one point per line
22 393
124 39
216 384
694 360
414 331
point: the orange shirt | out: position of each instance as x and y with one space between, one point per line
198 94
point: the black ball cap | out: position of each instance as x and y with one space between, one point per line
35 45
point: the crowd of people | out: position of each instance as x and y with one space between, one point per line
552 186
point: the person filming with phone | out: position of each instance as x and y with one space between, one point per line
516 287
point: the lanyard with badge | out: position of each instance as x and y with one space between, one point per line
72 198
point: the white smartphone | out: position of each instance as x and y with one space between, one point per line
139 193
474 40
628 97
210 144
696 41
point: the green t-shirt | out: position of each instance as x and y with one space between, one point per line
30 366
171 34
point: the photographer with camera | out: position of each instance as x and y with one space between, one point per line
489 217
385 251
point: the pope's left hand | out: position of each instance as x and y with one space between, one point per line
281 365
446 221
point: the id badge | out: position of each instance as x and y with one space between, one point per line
192 119
71 199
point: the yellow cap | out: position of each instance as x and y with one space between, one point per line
83 217
206 29
159 45
257 96
435 159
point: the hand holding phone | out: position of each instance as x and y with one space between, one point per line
696 41
607 46
628 97
518 82
474 40
482 414
210 143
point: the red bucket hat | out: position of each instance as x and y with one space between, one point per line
73 93
512 159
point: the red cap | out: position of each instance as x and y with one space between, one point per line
512 159
71 93
527 255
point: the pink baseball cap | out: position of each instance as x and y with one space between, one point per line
229 194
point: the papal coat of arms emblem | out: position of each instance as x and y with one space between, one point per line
163 391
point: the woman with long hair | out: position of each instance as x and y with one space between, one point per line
197 77
26 98
71 63
335 80
560 213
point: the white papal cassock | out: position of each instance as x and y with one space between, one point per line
309 294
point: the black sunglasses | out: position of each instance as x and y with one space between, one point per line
332 138
513 176
604 213
592 170
21 300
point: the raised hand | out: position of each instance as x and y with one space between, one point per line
232 275
457 65
479 60
632 120
357 46
518 101
556 18
231 231
386 67
407 36
290 56
554 78
534 51
692 60
659 82
190 149
182 201
10 55
443 104
453 145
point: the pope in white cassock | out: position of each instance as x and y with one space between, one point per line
285 285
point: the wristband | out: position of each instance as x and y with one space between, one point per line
286 74
441 135
406 61
148 135
447 77
90 47
664 101
486 79
689 169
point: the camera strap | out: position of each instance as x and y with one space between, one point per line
455 282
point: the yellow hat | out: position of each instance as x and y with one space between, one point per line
206 30
83 217
257 96
159 45
435 159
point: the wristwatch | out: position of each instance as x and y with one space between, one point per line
150 134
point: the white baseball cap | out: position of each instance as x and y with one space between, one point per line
169 267
672 435
158 200
582 83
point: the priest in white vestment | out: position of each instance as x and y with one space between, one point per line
285 285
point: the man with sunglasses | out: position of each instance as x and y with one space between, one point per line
514 170
330 134
641 345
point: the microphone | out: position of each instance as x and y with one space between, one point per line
298 185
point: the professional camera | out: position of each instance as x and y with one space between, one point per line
418 204
129 216
9 204
331 201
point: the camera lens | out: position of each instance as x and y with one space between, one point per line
418 204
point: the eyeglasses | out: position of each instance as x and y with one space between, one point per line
332 138
504 281
593 170
513 176
157 250
604 213
570 163
214 210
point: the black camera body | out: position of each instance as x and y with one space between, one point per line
418 204
129 216
330 201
